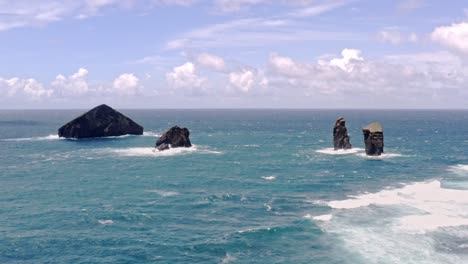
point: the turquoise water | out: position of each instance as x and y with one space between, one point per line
259 186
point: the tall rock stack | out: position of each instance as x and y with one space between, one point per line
340 135
373 138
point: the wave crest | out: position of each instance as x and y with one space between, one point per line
332 151
151 152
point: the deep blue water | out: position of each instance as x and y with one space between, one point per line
259 186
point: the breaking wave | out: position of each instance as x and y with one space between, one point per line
106 222
332 151
152 152
326 217
55 137
49 137
459 169
151 134
409 224
383 156
434 206
162 193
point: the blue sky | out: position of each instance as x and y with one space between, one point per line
234 54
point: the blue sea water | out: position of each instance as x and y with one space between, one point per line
259 186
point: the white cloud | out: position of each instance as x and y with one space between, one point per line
348 59
74 84
413 37
211 61
394 36
253 32
245 80
177 2
35 89
95 5
410 5
235 5
287 66
398 77
29 87
318 9
27 13
454 36
176 44
185 76
126 84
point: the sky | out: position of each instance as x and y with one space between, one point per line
234 54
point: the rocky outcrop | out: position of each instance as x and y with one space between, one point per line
175 137
373 138
101 121
340 135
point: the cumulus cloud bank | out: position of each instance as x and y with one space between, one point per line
126 84
454 36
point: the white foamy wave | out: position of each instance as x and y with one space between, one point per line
408 224
49 137
324 218
459 168
151 152
228 259
434 206
162 193
151 134
383 156
269 178
251 230
332 151
106 222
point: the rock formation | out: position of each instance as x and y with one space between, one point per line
373 138
101 121
340 135
175 137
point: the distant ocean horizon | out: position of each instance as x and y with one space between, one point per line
259 185
247 108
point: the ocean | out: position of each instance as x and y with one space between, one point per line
258 186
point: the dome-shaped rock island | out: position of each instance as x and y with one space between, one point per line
175 137
101 121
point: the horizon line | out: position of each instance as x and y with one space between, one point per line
250 108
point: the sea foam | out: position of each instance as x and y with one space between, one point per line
152 152
106 222
325 217
49 137
434 206
402 225
162 193
459 169
332 151
151 134
381 157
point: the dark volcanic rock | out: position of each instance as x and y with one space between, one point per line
101 121
373 138
174 138
340 135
